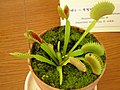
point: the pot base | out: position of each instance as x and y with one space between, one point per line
30 83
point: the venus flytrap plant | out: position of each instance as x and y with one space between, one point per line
98 11
64 14
90 52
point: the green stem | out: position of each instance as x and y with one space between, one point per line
84 34
67 36
58 46
59 69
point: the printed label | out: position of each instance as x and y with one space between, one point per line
79 15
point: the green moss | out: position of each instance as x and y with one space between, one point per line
72 77
77 79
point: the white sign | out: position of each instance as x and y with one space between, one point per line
79 15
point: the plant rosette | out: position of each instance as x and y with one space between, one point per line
74 37
67 57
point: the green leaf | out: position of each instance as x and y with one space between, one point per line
66 11
67 36
77 52
22 55
43 59
32 36
61 12
37 57
78 64
101 9
95 62
59 69
93 47
45 47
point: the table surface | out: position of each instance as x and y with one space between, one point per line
42 15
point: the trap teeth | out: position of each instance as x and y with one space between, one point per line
101 9
93 47
95 62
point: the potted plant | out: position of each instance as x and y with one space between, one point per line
67 57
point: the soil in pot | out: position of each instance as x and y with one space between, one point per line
72 77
